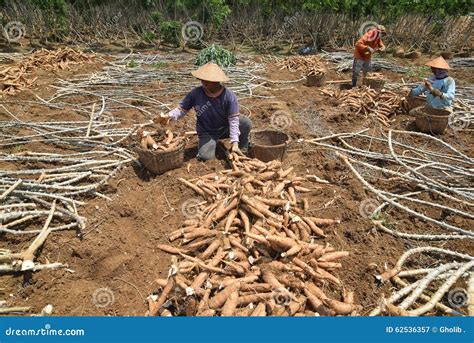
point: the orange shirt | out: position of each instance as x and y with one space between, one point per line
370 38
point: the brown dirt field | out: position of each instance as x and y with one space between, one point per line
117 250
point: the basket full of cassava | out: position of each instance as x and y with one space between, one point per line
161 151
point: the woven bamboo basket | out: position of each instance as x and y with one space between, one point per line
447 55
316 80
268 145
412 55
374 83
432 120
415 101
159 162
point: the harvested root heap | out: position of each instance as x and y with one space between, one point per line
307 65
378 104
422 290
251 250
15 78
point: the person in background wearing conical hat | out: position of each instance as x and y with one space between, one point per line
363 51
439 88
217 112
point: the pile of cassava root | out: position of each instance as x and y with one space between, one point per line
250 249
17 77
307 65
379 104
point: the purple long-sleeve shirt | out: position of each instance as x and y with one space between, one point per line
213 114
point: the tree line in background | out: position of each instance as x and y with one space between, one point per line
264 24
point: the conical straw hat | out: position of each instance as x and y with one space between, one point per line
439 63
381 28
210 72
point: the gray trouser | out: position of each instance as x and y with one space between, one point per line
357 66
208 142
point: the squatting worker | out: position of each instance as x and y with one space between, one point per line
217 112
364 48
438 88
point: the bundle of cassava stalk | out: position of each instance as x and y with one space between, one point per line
250 249
379 104
422 290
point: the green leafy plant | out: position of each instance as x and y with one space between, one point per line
217 54
384 219
158 65
132 63
420 72
377 216
157 16
148 36
17 148
171 31
56 16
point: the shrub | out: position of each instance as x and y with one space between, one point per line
217 54
171 31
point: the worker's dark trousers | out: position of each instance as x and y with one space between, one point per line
357 66
208 141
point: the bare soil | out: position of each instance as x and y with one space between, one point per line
118 247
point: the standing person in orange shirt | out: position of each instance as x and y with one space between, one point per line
364 48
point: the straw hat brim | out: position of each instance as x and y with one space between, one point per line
210 72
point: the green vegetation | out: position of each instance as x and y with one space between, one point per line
157 16
132 63
360 8
55 13
171 31
217 54
158 65
383 219
419 71
148 36
163 19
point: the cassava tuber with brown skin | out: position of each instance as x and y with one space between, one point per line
160 143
